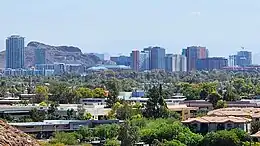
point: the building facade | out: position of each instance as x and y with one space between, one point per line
211 63
149 50
121 60
135 60
157 58
193 54
244 58
175 62
169 63
40 56
144 61
15 52
232 60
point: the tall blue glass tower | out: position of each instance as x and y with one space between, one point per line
15 52
40 55
158 58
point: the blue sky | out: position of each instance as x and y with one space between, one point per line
122 25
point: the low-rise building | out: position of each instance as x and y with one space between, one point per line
184 111
212 123
16 111
47 127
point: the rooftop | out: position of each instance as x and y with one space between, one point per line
257 134
216 119
241 112
178 107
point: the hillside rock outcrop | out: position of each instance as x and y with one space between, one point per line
59 54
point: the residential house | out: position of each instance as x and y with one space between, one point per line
212 123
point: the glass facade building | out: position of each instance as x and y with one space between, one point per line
158 58
14 52
40 56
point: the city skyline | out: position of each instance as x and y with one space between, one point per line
111 26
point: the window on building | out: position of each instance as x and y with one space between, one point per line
220 126
229 126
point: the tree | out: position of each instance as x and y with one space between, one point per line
156 106
106 131
255 127
221 138
124 112
85 92
128 135
82 114
213 98
113 87
173 143
230 95
70 114
37 115
62 94
112 142
221 104
65 138
53 112
168 129
42 94
85 132
43 104
99 93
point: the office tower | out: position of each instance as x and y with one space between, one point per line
149 50
244 58
175 62
144 61
184 52
211 63
40 56
193 54
183 63
135 60
157 58
15 52
169 63
232 60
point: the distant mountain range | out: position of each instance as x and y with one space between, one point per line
61 54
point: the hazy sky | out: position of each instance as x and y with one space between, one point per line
122 25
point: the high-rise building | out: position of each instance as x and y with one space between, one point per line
135 60
149 50
169 63
40 56
15 52
144 60
193 54
184 52
244 58
212 63
157 58
183 63
232 60
175 62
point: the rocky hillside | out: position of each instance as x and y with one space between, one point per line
10 136
61 54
